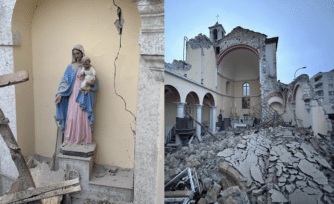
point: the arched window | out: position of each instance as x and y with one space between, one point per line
245 88
215 34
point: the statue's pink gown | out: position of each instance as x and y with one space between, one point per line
77 123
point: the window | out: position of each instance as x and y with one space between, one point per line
330 93
246 89
330 85
331 100
330 77
215 34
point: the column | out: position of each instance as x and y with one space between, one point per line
180 109
199 119
213 118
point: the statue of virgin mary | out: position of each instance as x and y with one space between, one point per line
74 109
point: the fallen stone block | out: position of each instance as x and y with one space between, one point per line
211 195
202 201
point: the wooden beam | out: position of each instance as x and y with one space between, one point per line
24 180
14 197
14 78
58 192
201 125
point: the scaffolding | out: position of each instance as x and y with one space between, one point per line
270 117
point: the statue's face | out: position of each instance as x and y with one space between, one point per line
77 55
86 65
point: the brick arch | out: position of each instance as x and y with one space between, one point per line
228 50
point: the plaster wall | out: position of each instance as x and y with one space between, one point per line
301 113
271 59
194 59
206 113
24 93
170 114
56 27
318 118
209 68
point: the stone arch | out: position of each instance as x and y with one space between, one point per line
228 50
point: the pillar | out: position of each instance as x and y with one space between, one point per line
180 109
199 119
213 118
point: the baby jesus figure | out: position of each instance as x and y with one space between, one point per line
89 73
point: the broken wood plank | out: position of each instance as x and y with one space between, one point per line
24 180
14 78
37 191
201 125
178 194
58 192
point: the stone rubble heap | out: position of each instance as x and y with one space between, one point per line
273 165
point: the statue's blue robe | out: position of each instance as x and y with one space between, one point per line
85 101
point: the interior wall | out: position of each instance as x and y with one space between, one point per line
170 114
24 92
205 113
191 103
56 27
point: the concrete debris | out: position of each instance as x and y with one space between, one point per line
277 197
269 165
300 197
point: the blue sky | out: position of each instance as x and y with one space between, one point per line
305 29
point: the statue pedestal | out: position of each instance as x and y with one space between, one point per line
78 150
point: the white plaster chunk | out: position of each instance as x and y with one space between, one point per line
308 149
241 146
299 155
328 189
301 183
272 158
308 168
292 178
290 188
300 197
312 191
256 174
277 197
282 179
226 153
323 162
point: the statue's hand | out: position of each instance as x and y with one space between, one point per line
92 82
58 99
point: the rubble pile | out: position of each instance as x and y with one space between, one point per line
273 165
